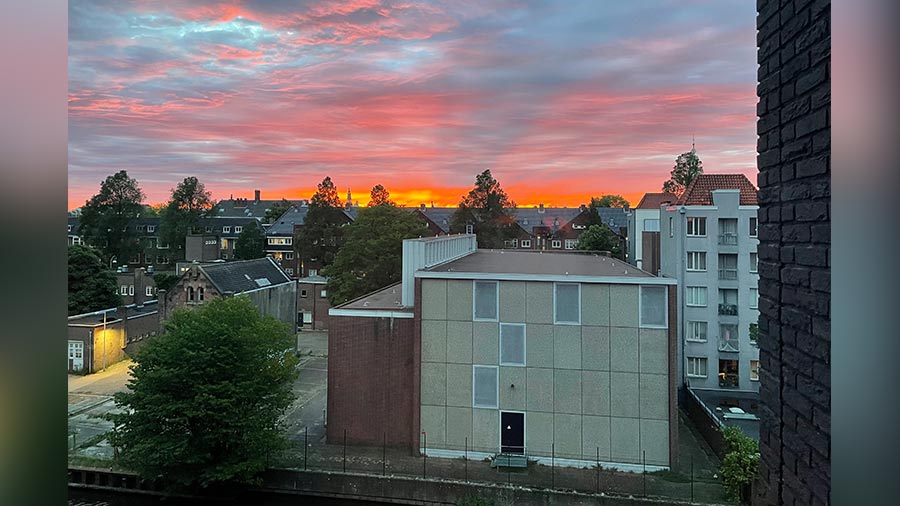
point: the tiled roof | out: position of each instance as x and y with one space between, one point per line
284 225
439 215
233 208
699 191
654 200
615 217
553 217
242 276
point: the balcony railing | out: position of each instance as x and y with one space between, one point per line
728 380
727 273
728 239
730 345
728 309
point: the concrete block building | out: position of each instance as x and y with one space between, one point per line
643 231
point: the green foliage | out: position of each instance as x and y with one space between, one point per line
250 243
372 255
165 281
599 238
379 196
106 216
754 332
741 462
92 286
326 195
489 210
206 400
278 209
608 201
189 202
321 236
687 167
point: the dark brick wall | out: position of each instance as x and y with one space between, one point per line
794 127
372 371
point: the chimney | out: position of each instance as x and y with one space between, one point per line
422 207
256 195
541 207
139 287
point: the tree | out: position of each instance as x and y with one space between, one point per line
599 238
380 196
372 255
106 216
250 243
488 209
739 467
165 281
92 286
189 202
608 201
687 167
278 209
206 399
321 236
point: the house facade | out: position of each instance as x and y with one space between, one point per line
312 303
99 339
643 231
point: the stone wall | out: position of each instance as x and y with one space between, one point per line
794 147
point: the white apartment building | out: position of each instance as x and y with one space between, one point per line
643 231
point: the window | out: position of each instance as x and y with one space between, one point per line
485 301
567 303
200 294
696 331
728 373
512 243
469 229
728 266
728 231
754 370
754 298
728 302
141 228
512 344
281 241
69 227
226 230
696 227
124 290
651 225
696 296
162 245
696 260
754 262
303 293
224 243
697 367
653 306
570 243
149 291
671 227
728 338
288 255
208 230
130 289
289 271
323 294
190 294
484 386
314 272
753 227
526 243
151 228
556 243
238 229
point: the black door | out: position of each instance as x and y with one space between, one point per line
512 432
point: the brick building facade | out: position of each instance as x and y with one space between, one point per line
794 146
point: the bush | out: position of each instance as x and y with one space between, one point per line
741 462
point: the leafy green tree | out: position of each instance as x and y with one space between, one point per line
489 210
250 243
608 201
206 400
165 281
189 202
741 462
380 196
687 167
599 238
321 236
277 209
92 286
106 216
372 255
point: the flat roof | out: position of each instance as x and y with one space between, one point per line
386 299
747 401
541 263
95 319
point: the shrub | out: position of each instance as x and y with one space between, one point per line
739 467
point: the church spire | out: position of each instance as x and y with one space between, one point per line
349 203
693 145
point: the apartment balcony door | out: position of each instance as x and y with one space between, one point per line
512 432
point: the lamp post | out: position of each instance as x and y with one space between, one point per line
104 339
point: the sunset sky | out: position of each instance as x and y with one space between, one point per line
561 100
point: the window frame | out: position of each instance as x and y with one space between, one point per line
556 320
699 254
524 346
687 298
555 243
651 229
525 243
754 300
496 370
238 229
475 317
753 227
671 226
754 266
641 323
226 229
303 294
754 372
697 361
689 335
148 291
691 223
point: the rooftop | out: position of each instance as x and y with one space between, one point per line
541 263
284 225
654 200
245 275
386 299
722 405
699 191
96 318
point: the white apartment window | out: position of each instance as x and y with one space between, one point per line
469 229
697 367
653 306
485 301
149 291
671 227
570 243
754 298
696 227
567 303
314 272
697 331
76 240
323 293
754 370
69 227
526 243
696 260
238 230
303 293
556 243
224 243
130 289
200 294
753 227
754 262
512 344
226 230
485 386
151 228
288 255
651 225
696 296
281 241
124 290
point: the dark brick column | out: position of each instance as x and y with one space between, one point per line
794 162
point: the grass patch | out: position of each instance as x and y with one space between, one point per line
671 476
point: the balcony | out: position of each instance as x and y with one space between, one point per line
727 380
728 309
728 239
730 345
728 274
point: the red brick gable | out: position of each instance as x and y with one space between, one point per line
699 191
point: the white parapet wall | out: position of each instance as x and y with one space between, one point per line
428 252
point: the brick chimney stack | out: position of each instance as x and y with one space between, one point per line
256 195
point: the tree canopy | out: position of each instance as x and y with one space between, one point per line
92 286
599 238
687 167
189 202
277 209
250 243
321 236
106 216
379 196
488 209
326 195
372 255
165 280
609 201
206 400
